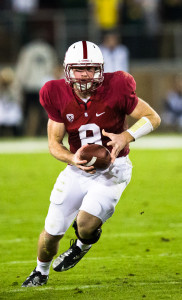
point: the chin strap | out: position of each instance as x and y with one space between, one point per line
96 235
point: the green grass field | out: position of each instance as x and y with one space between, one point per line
139 253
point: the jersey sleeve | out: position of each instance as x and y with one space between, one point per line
130 97
48 104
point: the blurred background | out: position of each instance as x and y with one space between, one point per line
142 37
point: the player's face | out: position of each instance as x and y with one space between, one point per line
83 79
82 73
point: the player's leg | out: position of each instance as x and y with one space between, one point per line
96 208
47 248
98 205
63 209
87 227
88 230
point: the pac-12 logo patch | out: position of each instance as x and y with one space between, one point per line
70 117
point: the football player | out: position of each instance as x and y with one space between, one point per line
91 107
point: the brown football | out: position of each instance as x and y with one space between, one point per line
97 156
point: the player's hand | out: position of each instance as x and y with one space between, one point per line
117 141
80 163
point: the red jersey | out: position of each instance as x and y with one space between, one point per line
106 109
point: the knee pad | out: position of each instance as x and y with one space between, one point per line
95 236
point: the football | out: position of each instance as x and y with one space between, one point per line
97 156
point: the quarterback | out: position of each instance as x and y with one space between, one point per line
91 107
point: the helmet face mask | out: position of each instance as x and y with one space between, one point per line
84 55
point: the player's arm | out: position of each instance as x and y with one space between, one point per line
56 133
148 120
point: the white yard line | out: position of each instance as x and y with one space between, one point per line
108 258
24 146
158 142
111 235
93 286
40 145
18 262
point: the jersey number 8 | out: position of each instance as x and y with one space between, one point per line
90 134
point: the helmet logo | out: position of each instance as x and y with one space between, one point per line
70 117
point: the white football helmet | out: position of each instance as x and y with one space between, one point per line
84 54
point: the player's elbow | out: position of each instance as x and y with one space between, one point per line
156 121
51 148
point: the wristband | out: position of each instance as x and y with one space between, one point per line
140 128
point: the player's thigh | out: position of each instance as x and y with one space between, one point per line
66 198
57 222
100 201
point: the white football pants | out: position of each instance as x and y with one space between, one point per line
96 194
